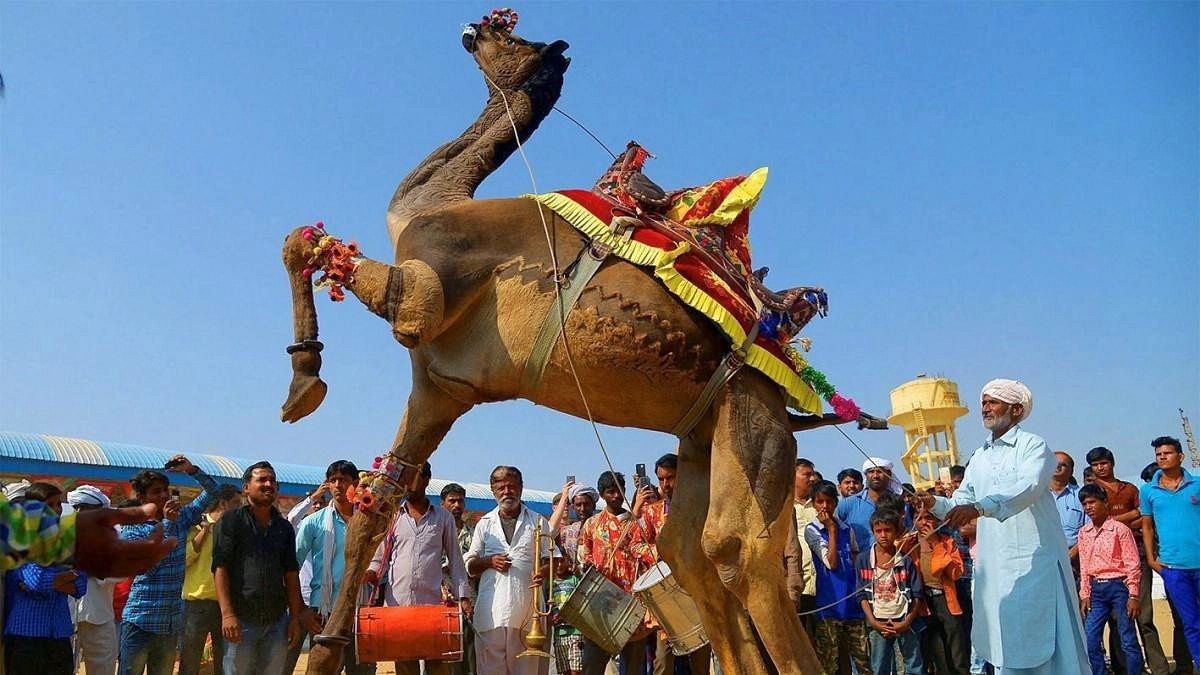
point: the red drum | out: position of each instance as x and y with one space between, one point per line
409 633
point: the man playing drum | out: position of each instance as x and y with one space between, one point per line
412 552
613 542
654 516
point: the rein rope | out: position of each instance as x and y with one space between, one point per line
551 240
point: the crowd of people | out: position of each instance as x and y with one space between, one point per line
1009 566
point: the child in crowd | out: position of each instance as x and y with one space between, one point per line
568 641
839 616
943 643
1110 574
891 596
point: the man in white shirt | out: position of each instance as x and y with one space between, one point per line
501 556
95 624
412 554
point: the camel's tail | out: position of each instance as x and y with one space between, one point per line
307 390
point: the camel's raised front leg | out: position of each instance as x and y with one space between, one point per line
409 296
429 415
753 461
726 622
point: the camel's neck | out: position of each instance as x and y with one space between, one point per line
455 170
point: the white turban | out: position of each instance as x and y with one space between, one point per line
88 495
1010 392
580 489
17 490
885 464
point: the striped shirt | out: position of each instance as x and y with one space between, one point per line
156 598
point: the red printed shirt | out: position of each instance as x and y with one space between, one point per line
654 516
1108 552
598 540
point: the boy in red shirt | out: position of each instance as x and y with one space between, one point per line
1110 574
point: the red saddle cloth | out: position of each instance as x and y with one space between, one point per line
707 266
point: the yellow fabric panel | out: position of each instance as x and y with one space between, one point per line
800 395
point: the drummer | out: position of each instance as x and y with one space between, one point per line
654 515
412 552
613 542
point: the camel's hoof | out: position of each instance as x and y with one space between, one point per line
328 640
304 396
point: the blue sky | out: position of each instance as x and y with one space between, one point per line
1004 189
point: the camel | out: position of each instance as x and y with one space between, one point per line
471 284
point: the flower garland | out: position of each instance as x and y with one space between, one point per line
334 259
843 407
504 19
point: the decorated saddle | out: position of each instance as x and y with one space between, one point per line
695 241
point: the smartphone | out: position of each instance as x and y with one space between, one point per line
570 479
944 475
175 493
639 475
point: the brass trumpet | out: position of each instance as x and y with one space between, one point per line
535 637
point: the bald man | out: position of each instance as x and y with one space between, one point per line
1021 570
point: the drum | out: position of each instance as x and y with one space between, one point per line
602 611
672 607
409 633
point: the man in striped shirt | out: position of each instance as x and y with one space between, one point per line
153 616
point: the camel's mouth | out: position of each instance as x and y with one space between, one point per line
469 34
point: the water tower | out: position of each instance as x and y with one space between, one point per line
926 409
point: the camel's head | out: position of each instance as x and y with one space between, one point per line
511 62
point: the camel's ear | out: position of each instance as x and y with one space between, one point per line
555 48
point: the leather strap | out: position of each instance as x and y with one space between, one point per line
729 367
582 271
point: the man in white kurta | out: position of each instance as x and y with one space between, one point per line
501 555
1026 618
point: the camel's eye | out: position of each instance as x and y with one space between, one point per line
508 42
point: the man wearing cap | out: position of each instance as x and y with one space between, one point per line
1021 570
856 510
95 623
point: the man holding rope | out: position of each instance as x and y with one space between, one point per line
1021 569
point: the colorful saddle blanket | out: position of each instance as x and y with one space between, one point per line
696 244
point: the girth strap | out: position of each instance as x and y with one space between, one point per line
729 367
581 272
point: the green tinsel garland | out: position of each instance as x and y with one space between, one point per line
816 379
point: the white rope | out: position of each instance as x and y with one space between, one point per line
562 311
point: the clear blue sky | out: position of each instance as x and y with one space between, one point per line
1004 189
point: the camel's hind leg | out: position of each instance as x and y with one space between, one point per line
725 620
428 417
753 462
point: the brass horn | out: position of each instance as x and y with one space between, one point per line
535 637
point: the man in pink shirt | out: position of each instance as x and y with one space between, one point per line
1110 573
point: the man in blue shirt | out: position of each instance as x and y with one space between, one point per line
1066 499
37 627
1170 506
323 536
153 617
856 510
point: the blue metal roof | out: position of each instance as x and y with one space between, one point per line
32 453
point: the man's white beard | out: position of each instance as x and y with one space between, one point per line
1004 421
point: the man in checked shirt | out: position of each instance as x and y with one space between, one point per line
1110 574
153 615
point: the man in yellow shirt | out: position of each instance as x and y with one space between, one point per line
201 613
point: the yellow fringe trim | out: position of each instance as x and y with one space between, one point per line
800 395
